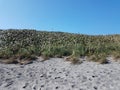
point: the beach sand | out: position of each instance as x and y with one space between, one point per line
58 74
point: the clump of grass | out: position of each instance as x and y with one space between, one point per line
60 51
32 49
26 60
46 54
74 58
93 58
103 61
23 54
9 61
116 55
101 58
6 53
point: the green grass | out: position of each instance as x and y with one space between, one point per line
27 44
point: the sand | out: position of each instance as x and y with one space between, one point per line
57 74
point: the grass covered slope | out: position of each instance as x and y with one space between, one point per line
27 44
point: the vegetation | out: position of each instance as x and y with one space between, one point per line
27 44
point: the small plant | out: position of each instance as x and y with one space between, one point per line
46 54
60 51
23 53
93 58
74 58
101 58
116 55
32 49
6 53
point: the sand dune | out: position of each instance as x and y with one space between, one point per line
57 74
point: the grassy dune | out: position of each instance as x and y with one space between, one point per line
21 45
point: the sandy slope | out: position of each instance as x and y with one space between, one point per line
56 74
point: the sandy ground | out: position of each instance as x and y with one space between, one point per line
57 74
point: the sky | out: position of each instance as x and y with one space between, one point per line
92 17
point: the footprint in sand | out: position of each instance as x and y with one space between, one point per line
26 84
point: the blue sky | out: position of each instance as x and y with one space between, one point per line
76 16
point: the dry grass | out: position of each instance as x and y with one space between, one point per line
9 61
100 58
74 59
116 56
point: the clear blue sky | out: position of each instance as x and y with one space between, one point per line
77 16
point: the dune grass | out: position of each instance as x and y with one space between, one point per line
27 44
